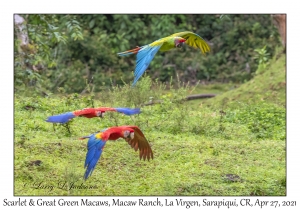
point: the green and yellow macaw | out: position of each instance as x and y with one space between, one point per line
146 53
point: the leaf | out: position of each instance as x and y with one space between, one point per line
75 22
51 27
92 23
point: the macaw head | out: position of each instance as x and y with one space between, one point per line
100 114
128 133
179 41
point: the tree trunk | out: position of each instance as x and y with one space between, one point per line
280 22
21 32
25 48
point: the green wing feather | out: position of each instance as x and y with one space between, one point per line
193 40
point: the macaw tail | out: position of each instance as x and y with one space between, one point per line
61 118
128 111
85 137
95 148
129 52
89 136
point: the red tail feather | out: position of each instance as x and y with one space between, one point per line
134 51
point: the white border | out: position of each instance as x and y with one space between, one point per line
153 6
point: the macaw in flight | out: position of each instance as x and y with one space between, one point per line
89 113
132 134
146 53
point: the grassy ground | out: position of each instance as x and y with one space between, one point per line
233 144
269 86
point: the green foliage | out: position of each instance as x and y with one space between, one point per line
262 57
68 60
45 33
224 17
75 29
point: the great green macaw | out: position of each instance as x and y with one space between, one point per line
132 134
146 53
89 113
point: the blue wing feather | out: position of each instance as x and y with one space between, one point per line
144 57
61 118
95 147
128 111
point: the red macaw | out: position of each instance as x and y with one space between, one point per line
89 113
132 134
146 53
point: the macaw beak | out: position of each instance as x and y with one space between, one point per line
132 135
102 114
126 134
99 114
180 43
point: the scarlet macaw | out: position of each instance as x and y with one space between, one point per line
89 113
146 53
132 134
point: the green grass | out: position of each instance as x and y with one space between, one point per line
195 145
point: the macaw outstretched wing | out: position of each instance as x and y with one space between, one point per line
66 117
194 40
144 57
139 142
94 147
61 118
128 111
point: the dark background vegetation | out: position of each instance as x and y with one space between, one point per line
69 51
